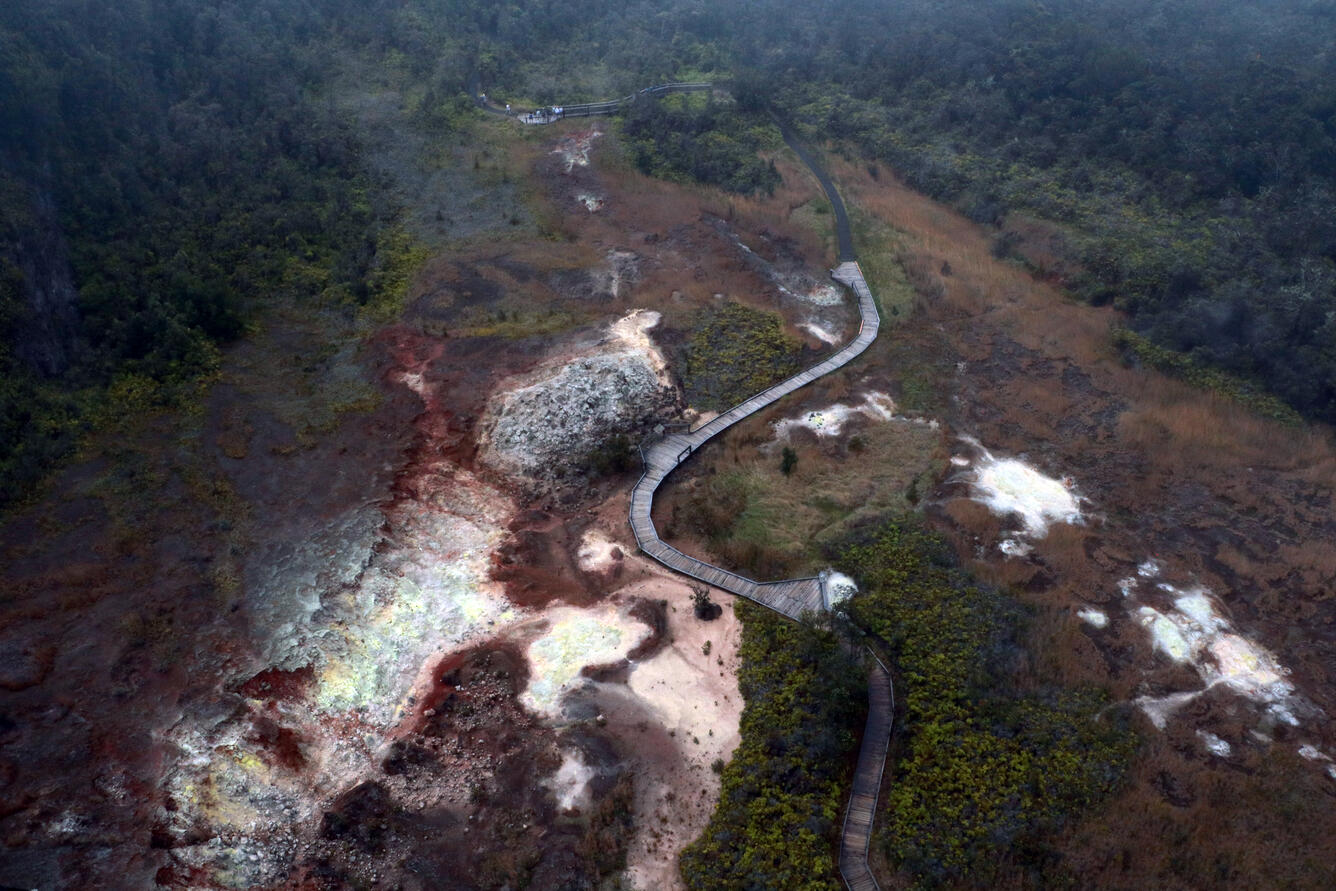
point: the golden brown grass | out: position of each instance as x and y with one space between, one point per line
1238 502
1244 501
1181 424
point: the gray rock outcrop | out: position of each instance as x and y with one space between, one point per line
548 431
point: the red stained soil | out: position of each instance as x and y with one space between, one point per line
537 564
283 743
275 684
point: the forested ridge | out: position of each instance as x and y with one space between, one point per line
1186 151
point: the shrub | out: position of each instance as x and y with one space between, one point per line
706 609
682 138
735 352
986 769
783 792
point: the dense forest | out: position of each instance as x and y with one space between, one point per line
168 169
168 166
703 140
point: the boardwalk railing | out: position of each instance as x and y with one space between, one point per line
612 106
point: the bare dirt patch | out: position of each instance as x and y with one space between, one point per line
681 715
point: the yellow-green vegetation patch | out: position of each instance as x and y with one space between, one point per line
735 352
399 257
782 795
816 215
989 763
322 381
880 248
514 323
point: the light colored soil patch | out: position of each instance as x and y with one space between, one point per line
830 420
597 552
694 695
574 640
1010 487
677 712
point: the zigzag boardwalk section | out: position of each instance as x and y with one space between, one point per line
791 597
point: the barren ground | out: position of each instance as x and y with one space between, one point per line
311 638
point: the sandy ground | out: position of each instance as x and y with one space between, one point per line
693 695
678 710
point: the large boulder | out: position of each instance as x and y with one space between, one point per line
555 426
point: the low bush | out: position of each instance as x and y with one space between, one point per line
735 352
988 768
783 793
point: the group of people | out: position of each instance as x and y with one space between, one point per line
538 116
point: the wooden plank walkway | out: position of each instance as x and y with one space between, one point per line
861 813
794 598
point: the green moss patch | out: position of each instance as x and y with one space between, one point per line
735 352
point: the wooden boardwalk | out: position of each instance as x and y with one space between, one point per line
795 598
856 835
